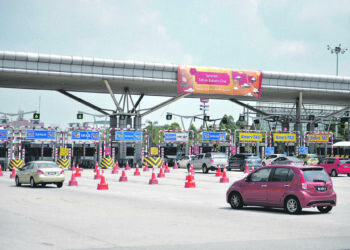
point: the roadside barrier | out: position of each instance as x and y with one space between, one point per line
16 163
64 163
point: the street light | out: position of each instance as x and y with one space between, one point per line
337 50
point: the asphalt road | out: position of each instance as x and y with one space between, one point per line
136 215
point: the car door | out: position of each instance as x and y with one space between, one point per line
279 184
26 173
21 173
330 165
254 191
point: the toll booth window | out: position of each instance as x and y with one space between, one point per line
89 152
3 152
47 152
130 151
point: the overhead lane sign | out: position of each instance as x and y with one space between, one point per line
213 136
250 137
219 81
3 134
284 137
179 137
128 136
85 135
318 138
41 134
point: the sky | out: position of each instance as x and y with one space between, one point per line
274 35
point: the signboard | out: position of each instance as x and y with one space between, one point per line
250 137
269 150
108 151
3 134
154 151
196 150
85 135
304 150
284 137
64 151
41 134
180 137
318 138
213 136
219 81
128 136
204 100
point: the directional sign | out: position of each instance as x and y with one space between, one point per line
269 151
3 134
41 134
128 136
214 136
181 137
85 135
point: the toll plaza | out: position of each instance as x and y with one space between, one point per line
319 141
250 141
287 142
219 140
39 144
174 143
85 143
127 145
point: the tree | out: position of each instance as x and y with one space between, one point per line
174 126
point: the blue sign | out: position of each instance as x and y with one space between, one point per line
214 136
128 136
304 150
269 151
85 135
3 134
170 137
41 134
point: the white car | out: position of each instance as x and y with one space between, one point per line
182 163
267 161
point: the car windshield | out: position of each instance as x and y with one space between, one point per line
293 159
315 175
344 161
47 165
252 157
220 155
312 156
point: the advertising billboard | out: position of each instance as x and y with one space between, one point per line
214 136
3 134
128 136
179 137
219 81
284 137
250 137
318 138
85 135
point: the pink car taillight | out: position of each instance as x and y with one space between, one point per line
40 172
212 160
62 172
291 161
303 183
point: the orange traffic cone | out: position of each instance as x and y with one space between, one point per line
73 167
191 169
81 169
175 166
218 172
13 174
190 181
153 180
161 173
73 181
97 175
252 168
1 173
96 167
127 166
77 173
116 168
224 178
137 171
123 178
145 168
166 170
103 185
246 171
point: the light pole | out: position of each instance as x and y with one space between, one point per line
337 50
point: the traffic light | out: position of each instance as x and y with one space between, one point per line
241 118
224 120
206 118
80 116
169 116
122 117
36 116
256 121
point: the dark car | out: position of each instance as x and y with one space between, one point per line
240 161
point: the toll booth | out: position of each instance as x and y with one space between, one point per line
127 145
39 144
250 141
4 148
319 142
85 146
174 143
219 140
288 142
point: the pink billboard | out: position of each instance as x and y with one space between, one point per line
219 81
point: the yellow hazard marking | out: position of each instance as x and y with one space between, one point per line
107 162
16 163
64 163
153 161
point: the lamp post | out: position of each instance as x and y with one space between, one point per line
338 49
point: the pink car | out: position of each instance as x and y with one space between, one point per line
284 186
336 165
